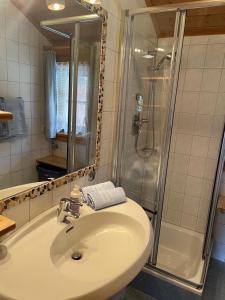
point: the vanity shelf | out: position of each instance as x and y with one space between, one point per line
6 225
5 115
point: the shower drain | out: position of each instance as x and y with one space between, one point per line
76 256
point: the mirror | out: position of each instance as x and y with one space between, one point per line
52 88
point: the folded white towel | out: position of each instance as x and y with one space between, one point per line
101 186
99 199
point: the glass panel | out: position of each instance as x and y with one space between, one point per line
196 138
147 103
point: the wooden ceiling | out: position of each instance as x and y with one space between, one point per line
199 21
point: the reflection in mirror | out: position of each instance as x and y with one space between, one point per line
51 87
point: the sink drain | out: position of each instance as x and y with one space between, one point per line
76 256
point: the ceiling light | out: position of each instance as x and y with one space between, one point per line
148 56
137 50
93 1
56 4
160 49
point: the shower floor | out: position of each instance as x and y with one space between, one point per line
180 252
174 262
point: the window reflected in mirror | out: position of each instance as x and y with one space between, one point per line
47 76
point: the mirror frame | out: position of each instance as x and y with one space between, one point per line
41 189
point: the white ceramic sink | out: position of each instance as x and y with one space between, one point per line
114 243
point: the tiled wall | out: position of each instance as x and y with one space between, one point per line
28 210
21 65
197 130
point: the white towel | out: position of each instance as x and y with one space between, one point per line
99 199
101 186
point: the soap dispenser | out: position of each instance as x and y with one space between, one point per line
75 196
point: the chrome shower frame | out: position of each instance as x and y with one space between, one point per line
125 56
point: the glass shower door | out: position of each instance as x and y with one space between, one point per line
152 48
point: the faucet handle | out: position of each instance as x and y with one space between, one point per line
76 202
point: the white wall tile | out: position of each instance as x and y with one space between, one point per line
207 103
186 123
5 165
188 221
20 213
222 82
40 204
196 166
4 148
215 56
12 48
194 186
3 73
24 54
199 40
180 163
178 183
211 80
184 58
196 57
214 146
173 216
25 73
60 192
12 30
193 80
217 126
210 168
183 143
216 39
204 124
191 205
200 146
189 102
175 201
15 163
2 49
12 89
13 71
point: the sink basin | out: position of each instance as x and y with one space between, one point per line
92 258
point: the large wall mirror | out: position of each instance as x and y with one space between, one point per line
53 87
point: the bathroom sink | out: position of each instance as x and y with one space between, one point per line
91 258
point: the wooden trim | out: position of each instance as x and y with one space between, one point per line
5 115
63 137
221 204
6 225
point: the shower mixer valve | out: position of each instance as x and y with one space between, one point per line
138 121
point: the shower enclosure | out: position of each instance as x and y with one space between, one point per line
163 158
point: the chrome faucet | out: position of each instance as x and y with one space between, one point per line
68 207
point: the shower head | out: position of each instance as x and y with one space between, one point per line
167 56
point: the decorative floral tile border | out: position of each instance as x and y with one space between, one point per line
46 187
